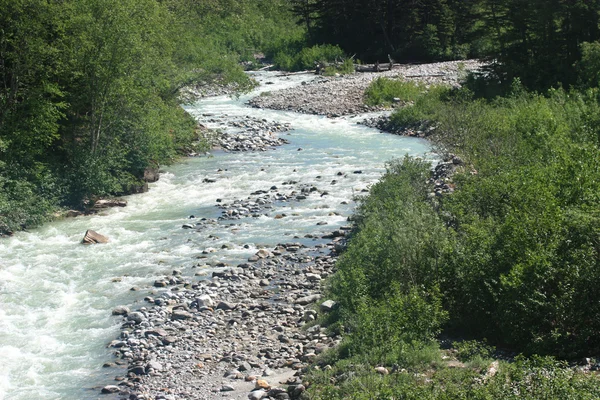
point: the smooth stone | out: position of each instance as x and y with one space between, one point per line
327 305
257 395
204 301
136 317
120 310
223 305
155 365
110 389
382 370
181 314
307 299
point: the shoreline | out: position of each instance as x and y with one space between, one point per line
240 332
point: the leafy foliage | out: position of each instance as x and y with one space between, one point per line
88 90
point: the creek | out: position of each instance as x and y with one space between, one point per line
56 295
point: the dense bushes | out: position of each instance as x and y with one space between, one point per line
512 255
305 58
520 261
88 94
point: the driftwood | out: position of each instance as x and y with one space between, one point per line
374 67
92 237
423 75
296 73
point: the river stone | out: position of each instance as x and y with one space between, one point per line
167 340
120 310
227 388
136 317
204 301
93 237
155 365
278 393
138 370
224 305
308 299
313 277
106 203
181 314
110 389
263 253
245 366
160 283
262 384
156 332
327 305
257 395
296 390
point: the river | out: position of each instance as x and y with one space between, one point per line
56 295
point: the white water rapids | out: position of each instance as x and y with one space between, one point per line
56 295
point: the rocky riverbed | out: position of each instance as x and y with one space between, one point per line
241 332
343 95
249 331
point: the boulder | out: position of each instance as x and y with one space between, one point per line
93 237
327 305
257 395
120 310
204 301
151 174
110 389
136 317
262 384
263 253
180 315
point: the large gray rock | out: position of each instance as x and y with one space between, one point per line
257 395
181 314
120 310
308 299
136 317
204 301
224 305
93 237
110 389
327 305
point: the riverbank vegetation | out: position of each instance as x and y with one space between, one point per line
88 94
507 256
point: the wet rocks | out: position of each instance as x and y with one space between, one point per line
93 237
247 134
120 310
181 345
110 389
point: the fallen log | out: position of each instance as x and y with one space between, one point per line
373 68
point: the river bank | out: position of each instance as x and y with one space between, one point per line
56 295
239 331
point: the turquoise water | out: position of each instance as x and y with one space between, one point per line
56 295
